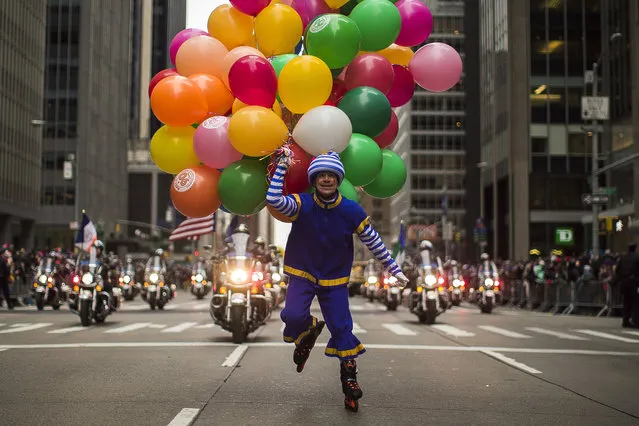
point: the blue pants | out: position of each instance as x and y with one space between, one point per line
333 302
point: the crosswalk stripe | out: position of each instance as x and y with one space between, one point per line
18 328
399 329
605 336
504 332
20 324
205 326
2 324
452 331
558 334
130 327
357 329
179 328
68 330
634 333
157 326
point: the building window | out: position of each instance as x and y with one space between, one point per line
539 145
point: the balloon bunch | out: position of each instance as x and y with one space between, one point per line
317 75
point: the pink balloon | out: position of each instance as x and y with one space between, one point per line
250 7
253 81
212 144
371 70
403 87
180 38
417 22
309 9
389 134
436 67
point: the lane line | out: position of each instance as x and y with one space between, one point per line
200 306
558 334
357 308
20 324
68 330
357 329
634 333
282 327
399 329
235 356
16 328
504 332
185 417
512 362
602 335
180 327
157 326
205 326
127 328
452 331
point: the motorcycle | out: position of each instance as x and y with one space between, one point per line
372 282
425 300
486 293
391 294
200 287
274 286
158 293
128 285
240 306
457 289
44 286
89 300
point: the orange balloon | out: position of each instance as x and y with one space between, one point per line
178 101
230 26
399 55
218 97
277 215
238 105
201 55
194 191
234 55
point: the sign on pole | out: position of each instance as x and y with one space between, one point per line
595 108
590 199
564 236
67 170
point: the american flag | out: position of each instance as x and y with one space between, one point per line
192 228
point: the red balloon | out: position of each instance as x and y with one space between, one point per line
253 81
296 180
370 70
403 87
161 76
389 134
338 92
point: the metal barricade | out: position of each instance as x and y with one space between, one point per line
563 296
614 300
20 290
586 294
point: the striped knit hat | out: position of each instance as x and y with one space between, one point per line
329 162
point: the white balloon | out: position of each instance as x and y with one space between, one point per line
322 129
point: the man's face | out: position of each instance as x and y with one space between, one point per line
326 184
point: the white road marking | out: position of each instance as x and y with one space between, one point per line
68 330
236 355
20 324
602 335
369 305
2 324
18 328
205 326
186 417
157 326
558 334
200 306
452 331
282 327
510 361
399 329
357 308
134 307
634 333
179 328
130 327
504 332
357 329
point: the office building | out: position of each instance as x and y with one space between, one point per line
22 47
86 107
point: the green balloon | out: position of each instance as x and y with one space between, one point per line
334 38
242 187
391 179
362 160
379 22
348 191
368 109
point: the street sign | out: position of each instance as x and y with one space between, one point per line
589 77
67 170
447 231
590 199
564 236
595 108
611 190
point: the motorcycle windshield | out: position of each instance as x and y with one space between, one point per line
155 265
240 244
46 266
239 262
426 258
198 267
370 270
455 271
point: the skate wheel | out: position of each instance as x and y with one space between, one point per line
351 404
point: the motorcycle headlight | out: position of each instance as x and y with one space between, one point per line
126 279
154 277
199 277
392 280
42 279
276 277
456 283
430 280
239 276
488 282
372 280
87 279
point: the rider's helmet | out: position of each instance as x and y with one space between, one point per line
159 252
242 228
485 256
260 241
128 258
99 246
453 263
426 245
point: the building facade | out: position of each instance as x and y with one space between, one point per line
22 47
86 107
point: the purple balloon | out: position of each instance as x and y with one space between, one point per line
403 87
436 67
371 70
212 144
417 22
309 9
180 38
253 81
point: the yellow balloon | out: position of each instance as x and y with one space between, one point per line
278 29
336 4
257 131
400 55
232 27
305 82
172 149
238 105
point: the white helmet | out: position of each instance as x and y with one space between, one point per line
426 245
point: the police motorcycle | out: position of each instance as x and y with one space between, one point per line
442 285
390 293
45 286
488 285
129 286
158 291
200 285
276 281
456 283
424 300
240 305
371 274
89 300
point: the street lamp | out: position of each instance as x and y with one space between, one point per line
481 166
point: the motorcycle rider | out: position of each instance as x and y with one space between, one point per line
260 253
487 265
5 273
319 259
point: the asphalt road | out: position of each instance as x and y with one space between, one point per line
175 367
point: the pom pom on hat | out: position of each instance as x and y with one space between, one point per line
328 162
